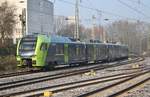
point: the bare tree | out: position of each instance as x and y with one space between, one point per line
66 30
7 22
129 33
59 23
69 29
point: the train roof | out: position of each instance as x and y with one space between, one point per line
111 44
60 39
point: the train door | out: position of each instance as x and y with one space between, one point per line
66 53
110 50
51 54
94 52
43 53
59 55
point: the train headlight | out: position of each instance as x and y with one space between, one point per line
18 62
33 62
18 56
33 55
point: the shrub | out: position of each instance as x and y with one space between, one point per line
8 63
9 50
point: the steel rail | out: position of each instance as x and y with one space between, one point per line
95 92
102 79
4 86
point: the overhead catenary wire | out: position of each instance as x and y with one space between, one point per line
134 9
141 3
98 10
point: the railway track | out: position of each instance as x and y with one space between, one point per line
78 84
119 93
8 85
28 72
18 73
5 75
116 89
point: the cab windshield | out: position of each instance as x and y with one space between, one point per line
28 44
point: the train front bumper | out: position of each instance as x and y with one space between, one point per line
26 61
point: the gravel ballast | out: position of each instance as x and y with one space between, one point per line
100 73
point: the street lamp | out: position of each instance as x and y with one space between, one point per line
22 1
106 19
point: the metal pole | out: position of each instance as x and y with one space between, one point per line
76 34
93 29
100 26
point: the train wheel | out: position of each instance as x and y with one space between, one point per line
71 65
47 68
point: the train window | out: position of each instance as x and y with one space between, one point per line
27 44
73 51
59 49
43 47
77 50
80 50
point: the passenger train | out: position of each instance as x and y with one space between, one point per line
42 51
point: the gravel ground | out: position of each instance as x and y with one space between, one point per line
34 75
142 91
100 73
79 91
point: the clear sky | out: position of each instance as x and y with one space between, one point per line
62 7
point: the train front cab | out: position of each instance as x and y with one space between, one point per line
26 51
31 51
